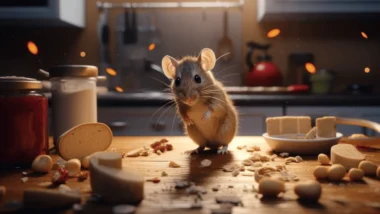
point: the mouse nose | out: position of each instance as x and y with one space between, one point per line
188 99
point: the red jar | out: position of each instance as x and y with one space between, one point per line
23 121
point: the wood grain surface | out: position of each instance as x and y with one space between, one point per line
341 197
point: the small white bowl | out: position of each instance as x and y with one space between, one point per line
290 144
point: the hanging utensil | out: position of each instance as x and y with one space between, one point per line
130 27
225 44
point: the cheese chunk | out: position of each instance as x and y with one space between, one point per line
273 125
304 124
46 198
84 140
346 155
326 127
116 185
289 125
312 134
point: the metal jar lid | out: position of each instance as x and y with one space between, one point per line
73 71
8 83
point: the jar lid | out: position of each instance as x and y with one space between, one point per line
73 71
19 83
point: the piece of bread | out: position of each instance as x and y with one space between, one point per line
115 183
84 140
326 127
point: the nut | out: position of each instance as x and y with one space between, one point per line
336 172
271 187
308 191
355 174
323 159
368 168
173 164
321 172
73 167
86 162
42 164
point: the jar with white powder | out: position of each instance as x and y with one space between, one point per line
74 99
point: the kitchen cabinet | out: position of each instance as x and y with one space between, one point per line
152 121
43 13
370 113
310 10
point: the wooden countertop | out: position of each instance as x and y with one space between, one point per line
342 197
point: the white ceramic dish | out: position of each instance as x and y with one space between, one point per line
292 145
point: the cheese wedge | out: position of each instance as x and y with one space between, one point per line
45 198
326 127
346 155
84 140
115 183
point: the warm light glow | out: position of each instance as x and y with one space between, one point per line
273 33
111 72
82 54
310 67
367 70
152 47
364 35
119 89
32 47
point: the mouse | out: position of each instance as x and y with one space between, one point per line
209 115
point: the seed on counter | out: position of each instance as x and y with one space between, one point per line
162 148
299 158
45 184
231 199
216 188
284 154
355 174
321 172
265 158
206 163
235 173
308 191
323 159
291 160
368 168
134 153
123 209
154 180
169 147
247 162
240 147
173 164
257 164
73 167
42 164
271 187
86 162
336 172
164 140
24 179
273 157
82 176
144 153
247 174
164 174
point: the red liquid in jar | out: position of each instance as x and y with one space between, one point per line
23 129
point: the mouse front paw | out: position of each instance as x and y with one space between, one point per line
223 150
206 115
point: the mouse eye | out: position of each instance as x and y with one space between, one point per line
197 79
177 81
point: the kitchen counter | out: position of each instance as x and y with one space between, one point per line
341 197
159 98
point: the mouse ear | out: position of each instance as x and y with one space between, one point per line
168 66
207 59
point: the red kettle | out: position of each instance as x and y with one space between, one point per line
264 72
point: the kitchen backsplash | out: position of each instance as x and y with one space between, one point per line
177 33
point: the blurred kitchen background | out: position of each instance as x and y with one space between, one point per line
300 47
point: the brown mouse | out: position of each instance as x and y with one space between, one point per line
209 115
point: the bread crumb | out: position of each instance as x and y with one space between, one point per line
24 179
290 160
299 159
240 147
173 164
164 174
284 154
206 163
235 173
216 188
247 162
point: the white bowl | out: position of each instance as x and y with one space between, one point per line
289 144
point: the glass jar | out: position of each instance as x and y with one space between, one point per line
74 99
23 121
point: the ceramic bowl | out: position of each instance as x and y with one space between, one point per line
294 144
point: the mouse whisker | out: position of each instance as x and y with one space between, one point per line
218 72
160 81
170 102
167 108
228 75
213 97
222 56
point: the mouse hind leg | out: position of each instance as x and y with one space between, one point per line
226 132
193 132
